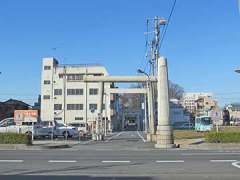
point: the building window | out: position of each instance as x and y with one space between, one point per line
47 82
57 119
75 77
74 106
75 92
46 97
57 92
47 67
92 106
93 91
57 106
78 118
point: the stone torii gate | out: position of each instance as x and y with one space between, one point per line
164 135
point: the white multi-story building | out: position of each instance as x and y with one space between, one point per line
65 97
189 100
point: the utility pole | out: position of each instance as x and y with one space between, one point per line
153 47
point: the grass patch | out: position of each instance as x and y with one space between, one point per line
187 134
13 138
230 128
222 137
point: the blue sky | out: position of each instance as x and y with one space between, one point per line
202 43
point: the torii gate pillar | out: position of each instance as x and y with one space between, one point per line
164 130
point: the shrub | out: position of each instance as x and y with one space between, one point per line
223 137
13 138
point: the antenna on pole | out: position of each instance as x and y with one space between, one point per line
154 41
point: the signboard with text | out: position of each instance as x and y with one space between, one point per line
21 116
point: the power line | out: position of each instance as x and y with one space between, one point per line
168 21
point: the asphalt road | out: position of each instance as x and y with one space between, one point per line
125 155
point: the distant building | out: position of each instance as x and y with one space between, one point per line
8 107
37 105
234 113
192 101
65 97
226 117
216 115
178 114
204 104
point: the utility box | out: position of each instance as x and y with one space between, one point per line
25 116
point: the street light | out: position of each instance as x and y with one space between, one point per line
149 99
142 72
237 70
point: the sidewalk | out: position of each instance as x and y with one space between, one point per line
185 144
199 144
43 144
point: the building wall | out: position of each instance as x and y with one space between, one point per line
234 112
60 77
189 100
177 112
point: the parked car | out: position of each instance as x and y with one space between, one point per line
40 129
9 126
61 129
55 129
81 127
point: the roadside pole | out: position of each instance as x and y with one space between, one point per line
145 114
32 131
105 120
217 128
52 134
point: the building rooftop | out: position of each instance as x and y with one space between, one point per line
80 65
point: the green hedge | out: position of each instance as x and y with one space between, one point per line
223 137
13 138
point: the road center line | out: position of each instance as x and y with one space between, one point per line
116 161
222 160
236 164
12 161
174 161
62 161
141 136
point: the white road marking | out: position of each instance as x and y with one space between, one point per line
222 160
174 161
62 161
236 164
12 161
114 136
116 161
210 154
141 136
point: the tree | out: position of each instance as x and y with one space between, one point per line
175 91
133 101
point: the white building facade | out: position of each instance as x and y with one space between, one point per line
65 97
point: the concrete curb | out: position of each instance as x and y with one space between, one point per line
33 147
206 146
